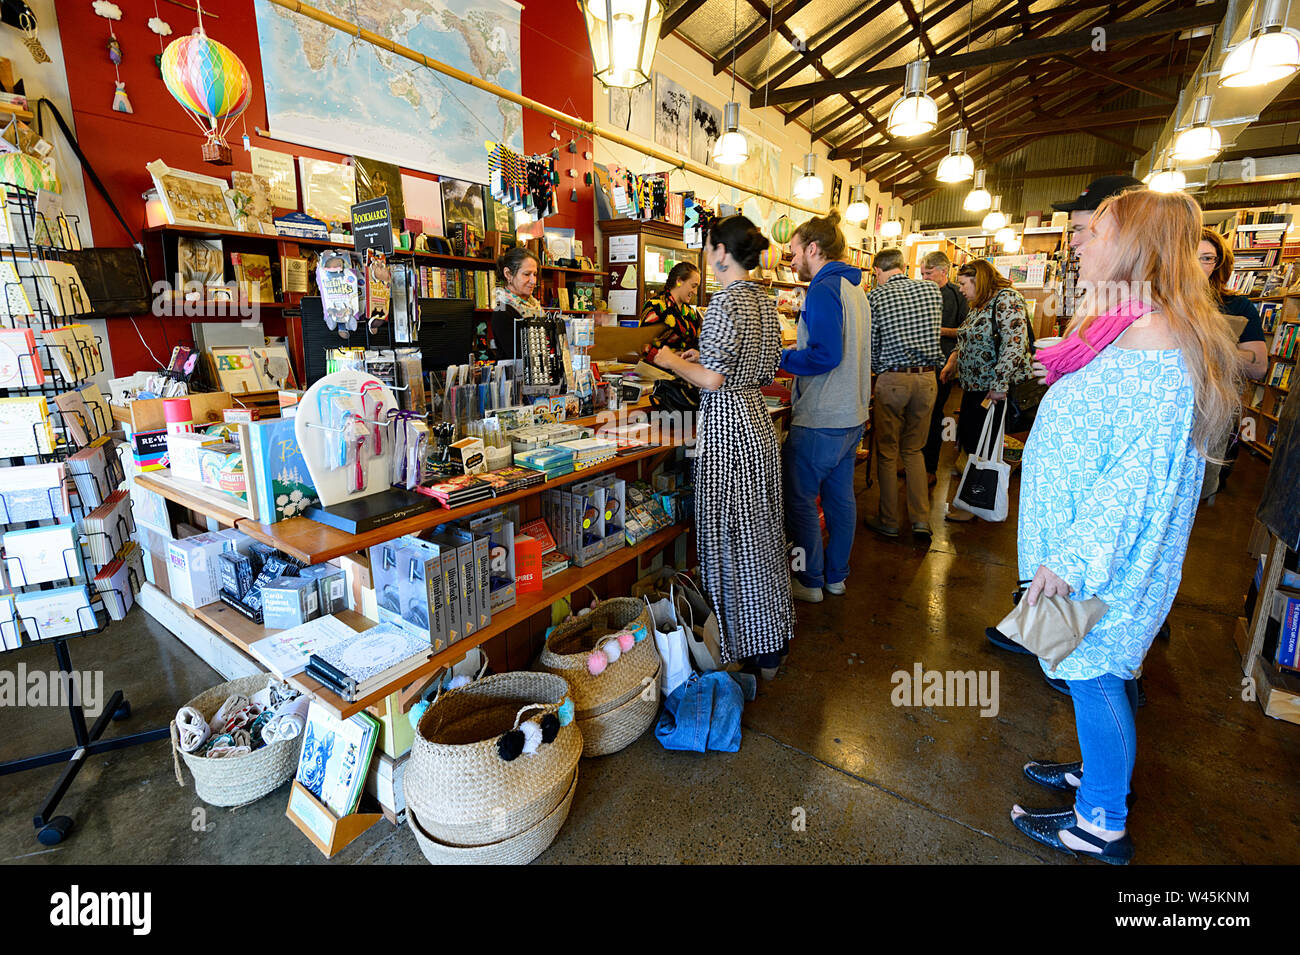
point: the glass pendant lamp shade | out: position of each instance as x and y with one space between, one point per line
1271 53
996 218
1012 245
891 228
858 208
732 148
1200 140
957 166
1004 235
978 199
623 35
914 113
1167 180
809 186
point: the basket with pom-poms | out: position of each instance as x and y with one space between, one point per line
490 761
609 659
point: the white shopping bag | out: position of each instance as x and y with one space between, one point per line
984 483
672 643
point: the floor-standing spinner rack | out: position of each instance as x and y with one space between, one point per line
53 305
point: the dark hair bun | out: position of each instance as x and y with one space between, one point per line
833 217
741 238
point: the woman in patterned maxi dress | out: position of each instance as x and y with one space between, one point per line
1111 478
739 516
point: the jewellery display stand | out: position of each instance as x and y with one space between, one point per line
47 315
343 505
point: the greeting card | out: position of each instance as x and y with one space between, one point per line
55 613
38 555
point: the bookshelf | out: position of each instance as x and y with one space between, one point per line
1263 398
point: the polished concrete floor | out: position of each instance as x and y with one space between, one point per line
829 769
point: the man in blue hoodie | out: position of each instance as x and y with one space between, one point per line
831 362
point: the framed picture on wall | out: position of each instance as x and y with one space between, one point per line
837 184
190 198
462 202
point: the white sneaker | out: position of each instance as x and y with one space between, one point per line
812 595
836 589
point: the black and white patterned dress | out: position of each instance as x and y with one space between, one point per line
739 515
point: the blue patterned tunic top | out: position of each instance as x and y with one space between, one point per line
1110 484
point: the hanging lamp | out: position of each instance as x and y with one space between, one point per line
1200 140
732 148
978 199
1012 245
1269 54
623 35
809 186
996 218
1168 179
892 227
859 208
915 112
1004 235
957 166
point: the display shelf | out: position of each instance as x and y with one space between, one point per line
197 497
313 543
565 268
526 606
243 632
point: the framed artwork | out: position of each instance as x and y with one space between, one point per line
706 127
375 179
192 199
672 115
462 202
837 185
633 110
329 189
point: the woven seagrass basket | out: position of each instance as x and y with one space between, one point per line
458 785
236 780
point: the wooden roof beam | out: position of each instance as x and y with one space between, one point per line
679 15
755 36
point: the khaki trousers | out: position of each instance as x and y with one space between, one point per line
903 404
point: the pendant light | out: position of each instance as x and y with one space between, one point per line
1168 179
978 199
809 187
1200 140
914 113
957 166
732 148
914 234
892 227
1004 235
1012 245
623 35
859 208
996 218
1271 53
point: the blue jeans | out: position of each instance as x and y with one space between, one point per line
819 461
1104 709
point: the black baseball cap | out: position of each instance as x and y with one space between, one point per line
1098 191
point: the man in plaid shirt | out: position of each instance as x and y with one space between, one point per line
905 318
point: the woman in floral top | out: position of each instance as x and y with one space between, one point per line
673 310
987 362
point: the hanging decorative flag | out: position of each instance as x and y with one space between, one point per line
213 86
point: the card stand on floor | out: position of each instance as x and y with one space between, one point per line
133 583
327 832
125 531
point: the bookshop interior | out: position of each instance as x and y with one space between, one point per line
682 431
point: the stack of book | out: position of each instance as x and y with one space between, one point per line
1280 376
460 490
512 479
362 663
553 461
588 452
1285 341
553 561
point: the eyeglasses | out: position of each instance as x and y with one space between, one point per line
1212 259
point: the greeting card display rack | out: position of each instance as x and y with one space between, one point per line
94 617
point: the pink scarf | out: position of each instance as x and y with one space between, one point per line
1072 353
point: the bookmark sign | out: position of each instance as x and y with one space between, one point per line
372 226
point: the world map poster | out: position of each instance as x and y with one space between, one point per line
327 89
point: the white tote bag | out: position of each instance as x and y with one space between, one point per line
702 631
984 483
672 642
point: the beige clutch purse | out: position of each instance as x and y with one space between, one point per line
1054 626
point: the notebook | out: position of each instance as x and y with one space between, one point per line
286 653
33 492
14 302
335 757
38 555
362 661
56 613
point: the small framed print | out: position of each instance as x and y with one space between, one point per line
192 199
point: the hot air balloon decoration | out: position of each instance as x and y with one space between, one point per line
213 86
782 229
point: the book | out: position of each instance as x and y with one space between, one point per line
281 482
336 756
553 563
55 613
507 480
364 661
287 653
457 491
1288 638
254 271
539 530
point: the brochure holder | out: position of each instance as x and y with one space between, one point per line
327 832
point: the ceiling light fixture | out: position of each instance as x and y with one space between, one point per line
1271 53
809 186
1168 180
957 166
1200 140
1012 245
978 199
732 148
859 209
623 35
1004 235
892 227
915 112
996 218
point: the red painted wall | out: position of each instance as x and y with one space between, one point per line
556 70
